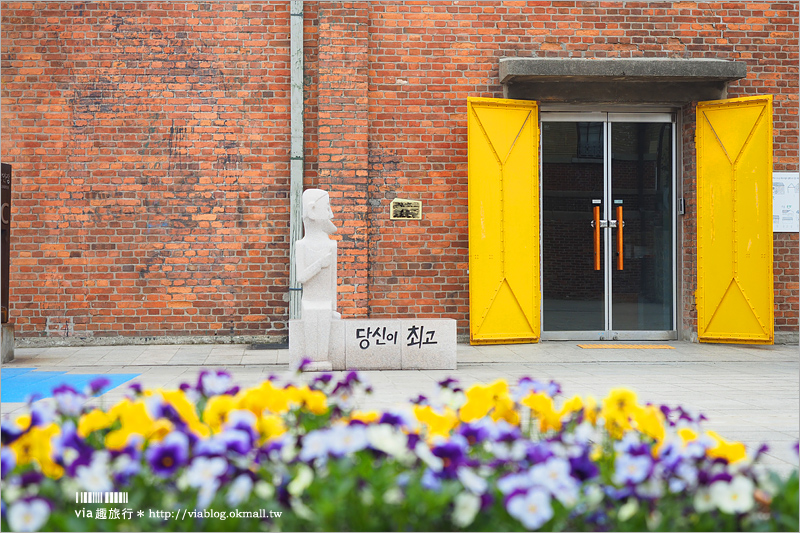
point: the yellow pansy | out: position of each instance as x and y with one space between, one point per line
731 451
543 409
504 409
617 410
36 446
216 412
437 424
93 421
650 421
186 410
590 410
256 399
270 427
687 435
315 401
619 403
368 417
573 405
480 399
134 421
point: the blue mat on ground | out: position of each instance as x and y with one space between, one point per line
19 384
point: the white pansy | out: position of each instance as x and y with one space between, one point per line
301 481
69 455
551 473
734 497
28 516
182 482
687 472
344 440
465 509
367 497
594 495
239 417
453 400
95 477
301 509
214 383
471 481
70 403
628 509
653 488
512 482
703 502
204 471
532 509
264 490
12 490
315 445
631 468
239 490
424 453
393 496
554 475
388 440
206 494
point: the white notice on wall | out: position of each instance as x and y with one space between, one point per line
785 201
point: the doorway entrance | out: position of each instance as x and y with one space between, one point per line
608 226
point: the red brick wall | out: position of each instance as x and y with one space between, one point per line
150 147
150 151
427 57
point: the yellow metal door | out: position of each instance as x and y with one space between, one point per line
503 176
734 221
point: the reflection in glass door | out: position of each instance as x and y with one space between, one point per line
641 195
573 185
607 227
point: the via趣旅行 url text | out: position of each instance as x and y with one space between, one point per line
211 513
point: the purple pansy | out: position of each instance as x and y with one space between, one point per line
8 460
69 401
167 456
583 467
215 383
97 385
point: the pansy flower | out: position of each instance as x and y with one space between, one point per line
167 456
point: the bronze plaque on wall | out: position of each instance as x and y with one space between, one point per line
401 209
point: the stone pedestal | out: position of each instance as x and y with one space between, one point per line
7 342
382 344
297 347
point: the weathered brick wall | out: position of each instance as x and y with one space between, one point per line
427 57
342 140
150 147
150 150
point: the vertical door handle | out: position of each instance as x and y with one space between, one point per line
596 225
620 224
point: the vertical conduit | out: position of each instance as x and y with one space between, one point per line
296 151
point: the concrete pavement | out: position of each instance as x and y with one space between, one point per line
749 393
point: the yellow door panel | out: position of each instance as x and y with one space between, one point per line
734 221
503 148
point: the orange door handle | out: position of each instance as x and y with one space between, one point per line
596 237
619 237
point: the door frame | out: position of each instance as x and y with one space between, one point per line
608 118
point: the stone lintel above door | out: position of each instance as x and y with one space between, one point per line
628 81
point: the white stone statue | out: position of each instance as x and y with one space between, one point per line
316 270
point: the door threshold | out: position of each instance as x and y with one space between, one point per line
609 335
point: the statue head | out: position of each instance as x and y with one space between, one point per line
317 213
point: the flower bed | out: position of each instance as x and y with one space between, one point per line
297 456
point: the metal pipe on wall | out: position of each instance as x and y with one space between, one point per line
296 151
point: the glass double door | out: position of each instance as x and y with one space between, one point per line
608 226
